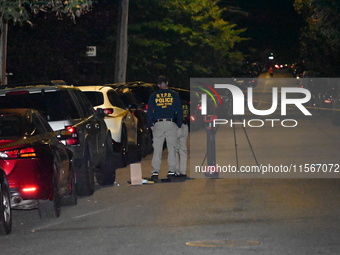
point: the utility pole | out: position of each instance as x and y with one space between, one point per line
3 51
122 42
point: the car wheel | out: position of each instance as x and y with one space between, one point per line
50 208
121 155
142 143
150 137
135 154
5 210
85 177
72 198
125 147
147 149
107 174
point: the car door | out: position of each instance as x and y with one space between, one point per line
96 127
61 157
129 119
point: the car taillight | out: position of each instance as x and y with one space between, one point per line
145 107
27 153
18 153
73 138
192 118
328 101
14 93
28 189
108 111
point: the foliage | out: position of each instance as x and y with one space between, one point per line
182 39
20 10
178 38
320 38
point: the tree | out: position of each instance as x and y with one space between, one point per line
19 11
178 38
320 37
182 39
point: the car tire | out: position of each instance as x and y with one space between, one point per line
85 177
125 147
5 210
149 141
142 142
50 208
72 198
107 173
135 154
121 155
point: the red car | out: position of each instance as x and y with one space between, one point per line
38 166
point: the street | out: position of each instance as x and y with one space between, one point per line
236 215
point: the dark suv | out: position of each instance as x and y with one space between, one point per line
144 132
142 91
67 108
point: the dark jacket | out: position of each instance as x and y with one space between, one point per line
165 104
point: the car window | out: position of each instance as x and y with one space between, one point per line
85 105
44 123
128 98
11 126
142 93
37 127
115 100
95 98
53 105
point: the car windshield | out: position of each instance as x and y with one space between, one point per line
11 126
53 105
95 98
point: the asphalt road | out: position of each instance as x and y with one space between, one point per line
238 215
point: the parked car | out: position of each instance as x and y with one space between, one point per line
5 205
38 166
67 108
144 132
142 92
119 120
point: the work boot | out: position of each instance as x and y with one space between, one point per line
154 177
171 174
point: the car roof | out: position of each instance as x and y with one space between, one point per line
37 88
17 111
98 88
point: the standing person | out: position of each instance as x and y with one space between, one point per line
164 108
271 71
181 149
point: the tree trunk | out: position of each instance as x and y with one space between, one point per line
3 52
122 41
